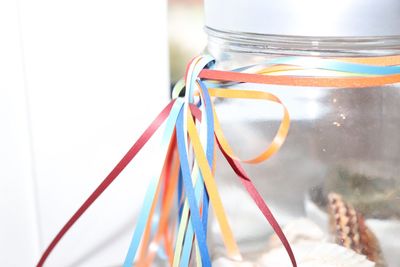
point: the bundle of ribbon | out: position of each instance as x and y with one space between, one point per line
192 128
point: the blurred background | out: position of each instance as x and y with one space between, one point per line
186 34
79 81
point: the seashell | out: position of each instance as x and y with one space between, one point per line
298 230
315 254
386 231
349 229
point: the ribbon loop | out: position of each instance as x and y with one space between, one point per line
280 136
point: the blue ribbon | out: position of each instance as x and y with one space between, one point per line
328 64
187 181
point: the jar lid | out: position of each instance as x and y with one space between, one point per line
324 18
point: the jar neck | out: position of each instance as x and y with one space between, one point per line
262 44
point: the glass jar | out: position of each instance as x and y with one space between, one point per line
343 146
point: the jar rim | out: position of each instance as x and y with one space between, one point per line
236 41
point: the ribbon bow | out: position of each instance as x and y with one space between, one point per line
192 134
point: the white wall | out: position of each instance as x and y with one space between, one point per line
79 81
18 220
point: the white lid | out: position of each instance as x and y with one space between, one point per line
306 17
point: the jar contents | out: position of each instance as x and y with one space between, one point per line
334 185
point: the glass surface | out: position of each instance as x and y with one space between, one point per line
342 141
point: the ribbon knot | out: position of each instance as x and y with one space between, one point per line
210 128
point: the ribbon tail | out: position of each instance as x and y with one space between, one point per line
152 191
143 139
255 195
